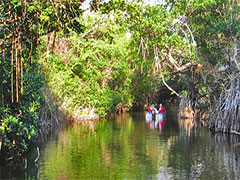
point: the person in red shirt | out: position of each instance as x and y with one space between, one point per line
162 109
150 109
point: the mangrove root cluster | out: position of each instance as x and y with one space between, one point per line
225 115
187 110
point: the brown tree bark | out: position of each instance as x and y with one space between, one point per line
20 59
12 75
17 71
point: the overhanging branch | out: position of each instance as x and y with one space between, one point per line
159 65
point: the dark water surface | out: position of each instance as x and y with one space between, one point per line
128 147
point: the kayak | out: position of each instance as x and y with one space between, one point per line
149 116
155 120
158 116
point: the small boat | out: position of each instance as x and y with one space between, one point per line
151 117
155 120
148 116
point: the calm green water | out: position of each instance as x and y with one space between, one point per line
128 147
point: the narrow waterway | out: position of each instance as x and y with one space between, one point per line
129 147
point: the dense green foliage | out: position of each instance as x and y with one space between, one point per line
21 25
20 120
96 73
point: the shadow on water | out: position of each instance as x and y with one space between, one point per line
22 168
126 147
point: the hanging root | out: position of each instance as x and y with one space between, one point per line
185 109
190 112
38 155
225 115
50 116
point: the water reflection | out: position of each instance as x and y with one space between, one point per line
204 155
156 121
228 147
124 147
187 126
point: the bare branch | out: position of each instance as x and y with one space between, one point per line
94 27
180 68
171 89
194 44
159 65
235 56
8 36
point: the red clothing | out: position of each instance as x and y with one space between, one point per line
161 124
162 109
149 109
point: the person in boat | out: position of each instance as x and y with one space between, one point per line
152 109
162 109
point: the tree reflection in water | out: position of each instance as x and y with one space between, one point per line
124 147
211 155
